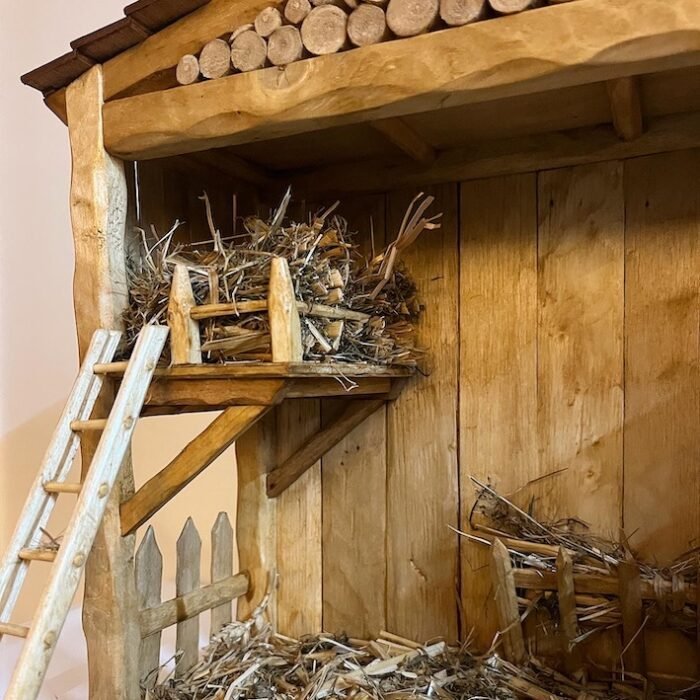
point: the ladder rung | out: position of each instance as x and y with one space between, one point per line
62 487
110 368
13 630
93 424
28 554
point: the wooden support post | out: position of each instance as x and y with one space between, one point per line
221 567
285 327
281 478
149 575
630 592
184 330
626 107
406 139
98 199
507 603
567 597
189 553
193 460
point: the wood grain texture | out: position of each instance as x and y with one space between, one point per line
662 372
221 567
506 597
580 344
498 364
185 344
149 577
98 200
422 478
187 580
299 526
531 52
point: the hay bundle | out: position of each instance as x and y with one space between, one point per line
326 267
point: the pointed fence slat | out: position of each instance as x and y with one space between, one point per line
149 575
189 551
567 597
221 566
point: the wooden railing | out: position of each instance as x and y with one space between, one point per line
192 598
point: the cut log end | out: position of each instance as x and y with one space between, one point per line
243 28
284 46
457 13
248 52
295 11
412 17
187 71
367 25
324 30
267 21
215 59
510 7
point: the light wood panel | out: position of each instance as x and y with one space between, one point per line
422 479
662 372
354 488
580 344
530 52
498 364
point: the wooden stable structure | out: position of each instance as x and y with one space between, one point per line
562 300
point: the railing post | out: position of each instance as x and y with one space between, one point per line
185 344
285 327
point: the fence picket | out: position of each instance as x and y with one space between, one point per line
189 550
149 574
221 566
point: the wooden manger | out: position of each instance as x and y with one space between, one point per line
561 143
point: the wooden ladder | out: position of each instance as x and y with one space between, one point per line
69 559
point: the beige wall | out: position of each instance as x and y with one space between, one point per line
38 348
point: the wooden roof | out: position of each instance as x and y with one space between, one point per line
141 19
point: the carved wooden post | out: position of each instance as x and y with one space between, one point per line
285 327
184 331
98 199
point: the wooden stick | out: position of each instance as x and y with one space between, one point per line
281 478
284 46
221 568
295 11
456 13
248 51
367 25
14 630
185 607
204 311
187 577
215 59
149 578
626 107
630 592
285 328
412 17
507 604
184 330
191 462
324 31
187 71
267 21
567 596
62 487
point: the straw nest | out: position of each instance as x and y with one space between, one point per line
327 268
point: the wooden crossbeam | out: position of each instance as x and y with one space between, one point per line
281 478
626 107
406 139
194 459
192 604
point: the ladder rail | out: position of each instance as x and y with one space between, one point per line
87 516
56 463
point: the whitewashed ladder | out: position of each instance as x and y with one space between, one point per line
69 559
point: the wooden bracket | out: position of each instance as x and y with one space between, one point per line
193 460
626 107
406 139
281 478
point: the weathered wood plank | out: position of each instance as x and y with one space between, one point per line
567 597
185 344
626 107
221 567
299 555
285 329
422 471
194 459
662 376
530 52
506 604
498 364
287 473
190 605
187 580
630 594
354 487
149 576
98 200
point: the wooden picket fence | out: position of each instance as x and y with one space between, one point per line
192 598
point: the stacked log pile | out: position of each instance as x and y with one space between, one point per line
299 29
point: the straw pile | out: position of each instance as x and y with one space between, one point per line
370 304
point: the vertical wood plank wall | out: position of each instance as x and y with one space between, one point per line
562 317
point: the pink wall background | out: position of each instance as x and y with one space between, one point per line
38 346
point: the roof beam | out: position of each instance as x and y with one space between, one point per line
626 107
516 55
